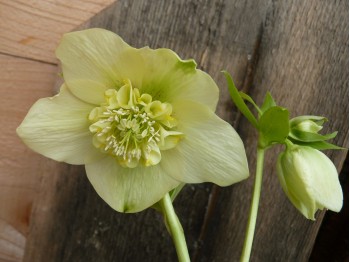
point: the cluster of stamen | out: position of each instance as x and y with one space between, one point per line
132 127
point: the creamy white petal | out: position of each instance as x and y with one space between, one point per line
321 178
100 56
294 186
58 128
168 78
88 90
210 150
129 189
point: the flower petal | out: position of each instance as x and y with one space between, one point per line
210 151
294 186
103 57
58 128
323 182
168 78
129 189
96 56
88 90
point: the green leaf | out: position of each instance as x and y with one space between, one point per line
319 145
268 102
238 101
250 100
310 137
274 126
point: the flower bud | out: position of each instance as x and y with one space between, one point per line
306 128
310 180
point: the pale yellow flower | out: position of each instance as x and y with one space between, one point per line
142 121
310 180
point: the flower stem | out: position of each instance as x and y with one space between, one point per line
254 206
175 229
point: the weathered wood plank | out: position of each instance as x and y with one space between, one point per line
70 222
30 29
296 60
22 83
12 243
33 28
303 61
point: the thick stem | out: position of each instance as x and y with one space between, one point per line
254 207
175 228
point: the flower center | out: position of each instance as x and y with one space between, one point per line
132 127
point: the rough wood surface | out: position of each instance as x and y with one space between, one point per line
22 83
284 47
29 30
33 28
303 61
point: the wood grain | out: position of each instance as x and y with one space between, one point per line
33 28
22 83
12 243
301 61
284 47
28 30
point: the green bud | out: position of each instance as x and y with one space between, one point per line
310 180
306 128
311 123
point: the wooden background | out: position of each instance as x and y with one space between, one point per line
296 49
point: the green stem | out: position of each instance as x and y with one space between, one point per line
254 207
175 228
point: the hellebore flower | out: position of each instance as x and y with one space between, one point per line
142 121
310 180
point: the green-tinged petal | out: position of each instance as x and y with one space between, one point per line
100 56
58 128
129 189
97 55
168 78
88 90
294 186
323 182
210 150
310 180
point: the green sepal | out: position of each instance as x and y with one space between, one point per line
268 102
273 126
310 137
319 145
238 101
